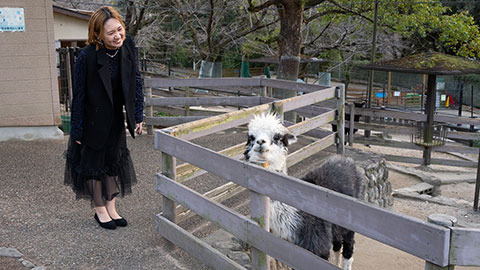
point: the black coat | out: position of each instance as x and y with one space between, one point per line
92 123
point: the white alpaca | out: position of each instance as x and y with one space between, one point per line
267 146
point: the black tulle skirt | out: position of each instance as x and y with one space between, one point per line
84 163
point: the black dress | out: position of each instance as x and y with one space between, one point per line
85 163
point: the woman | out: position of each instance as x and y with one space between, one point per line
106 81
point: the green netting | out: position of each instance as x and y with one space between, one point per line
245 70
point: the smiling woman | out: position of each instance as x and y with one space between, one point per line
106 29
107 82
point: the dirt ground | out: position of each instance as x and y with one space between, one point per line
370 254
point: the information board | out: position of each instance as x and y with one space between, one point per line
12 20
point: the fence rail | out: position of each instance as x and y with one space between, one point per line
416 237
437 245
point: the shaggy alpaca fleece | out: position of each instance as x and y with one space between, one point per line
267 145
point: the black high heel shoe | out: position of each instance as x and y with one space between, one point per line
110 225
121 222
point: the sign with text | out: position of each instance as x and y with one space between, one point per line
12 20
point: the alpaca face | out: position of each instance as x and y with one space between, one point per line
267 142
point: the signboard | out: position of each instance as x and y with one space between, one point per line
396 93
12 20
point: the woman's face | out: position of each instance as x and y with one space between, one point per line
113 34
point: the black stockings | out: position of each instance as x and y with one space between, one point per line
103 190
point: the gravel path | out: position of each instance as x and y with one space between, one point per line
42 220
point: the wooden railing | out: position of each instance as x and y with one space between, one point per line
400 122
439 246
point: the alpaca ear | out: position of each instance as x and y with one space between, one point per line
289 139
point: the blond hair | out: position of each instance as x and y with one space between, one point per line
97 21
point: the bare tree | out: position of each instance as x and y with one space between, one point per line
292 17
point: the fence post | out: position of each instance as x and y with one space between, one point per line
169 164
477 186
69 78
187 108
260 213
445 221
169 170
351 124
263 92
149 110
340 95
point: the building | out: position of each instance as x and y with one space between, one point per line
30 31
70 26
29 103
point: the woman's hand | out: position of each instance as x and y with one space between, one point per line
139 128
78 142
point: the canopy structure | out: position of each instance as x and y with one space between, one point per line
432 64
429 63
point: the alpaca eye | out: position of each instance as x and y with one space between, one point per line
277 137
251 138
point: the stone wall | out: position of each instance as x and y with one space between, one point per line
378 189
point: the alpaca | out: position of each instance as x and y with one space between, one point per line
267 146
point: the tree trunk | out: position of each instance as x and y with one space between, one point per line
290 39
289 43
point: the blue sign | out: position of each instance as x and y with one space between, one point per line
12 20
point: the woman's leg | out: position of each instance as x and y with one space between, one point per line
95 188
111 191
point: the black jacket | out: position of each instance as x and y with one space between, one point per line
92 108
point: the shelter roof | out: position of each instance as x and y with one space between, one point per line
428 63
80 14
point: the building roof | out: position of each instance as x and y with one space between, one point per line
80 14
276 60
428 63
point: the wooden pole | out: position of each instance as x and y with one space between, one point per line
372 59
477 186
169 165
69 78
423 91
351 124
187 108
472 128
340 93
428 128
445 221
149 109
460 100
260 213
389 87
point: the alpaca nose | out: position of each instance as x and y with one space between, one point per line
261 141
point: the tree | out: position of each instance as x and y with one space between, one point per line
134 15
432 26
214 25
316 26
